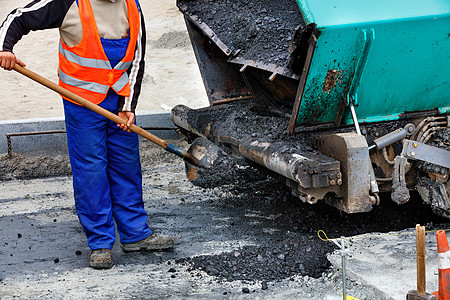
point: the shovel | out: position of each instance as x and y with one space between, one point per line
109 115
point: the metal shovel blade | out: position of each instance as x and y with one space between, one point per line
209 156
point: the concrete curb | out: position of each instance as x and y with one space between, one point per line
56 144
386 262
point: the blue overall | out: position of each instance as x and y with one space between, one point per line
106 169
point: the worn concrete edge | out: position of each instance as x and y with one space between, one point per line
335 260
56 144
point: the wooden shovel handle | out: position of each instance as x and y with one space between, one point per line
107 114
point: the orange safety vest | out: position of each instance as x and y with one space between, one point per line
85 70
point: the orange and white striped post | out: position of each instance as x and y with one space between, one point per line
444 266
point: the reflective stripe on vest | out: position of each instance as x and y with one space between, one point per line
121 83
85 69
123 65
92 63
87 85
85 62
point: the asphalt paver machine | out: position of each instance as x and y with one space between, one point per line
344 98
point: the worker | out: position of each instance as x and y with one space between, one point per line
101 58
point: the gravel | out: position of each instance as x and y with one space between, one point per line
20 166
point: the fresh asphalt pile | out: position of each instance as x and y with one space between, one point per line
293 247
271 260
262 30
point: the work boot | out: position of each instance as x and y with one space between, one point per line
153 242
101 259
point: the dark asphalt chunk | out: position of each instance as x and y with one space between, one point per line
269 261
261 29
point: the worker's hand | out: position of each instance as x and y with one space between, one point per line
8 60
129 116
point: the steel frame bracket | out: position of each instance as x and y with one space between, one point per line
419 151
352 152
